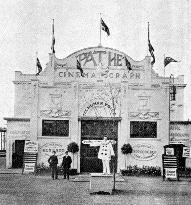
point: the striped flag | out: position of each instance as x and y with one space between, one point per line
53 38
151 49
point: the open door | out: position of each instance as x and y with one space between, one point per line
18 154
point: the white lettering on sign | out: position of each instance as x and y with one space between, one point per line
144 152
96 141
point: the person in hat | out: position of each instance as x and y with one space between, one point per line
53 161
66 164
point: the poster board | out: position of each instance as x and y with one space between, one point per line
186 152
30 157
170 167
171 173
169 151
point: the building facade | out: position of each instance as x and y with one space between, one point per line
60 106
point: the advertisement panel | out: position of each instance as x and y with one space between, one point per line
144 152
180 133
29 167
171 173
186 152
31 146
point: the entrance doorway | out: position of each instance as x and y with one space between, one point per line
18 153
96 130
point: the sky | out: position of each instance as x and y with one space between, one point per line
26 28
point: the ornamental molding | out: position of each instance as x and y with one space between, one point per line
143 115
55 113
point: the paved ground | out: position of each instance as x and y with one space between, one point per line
29 189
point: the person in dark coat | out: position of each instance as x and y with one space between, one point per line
66 164
53 161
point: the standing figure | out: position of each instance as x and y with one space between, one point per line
53 161
105 153
66 164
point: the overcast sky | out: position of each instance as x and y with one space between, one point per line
25 28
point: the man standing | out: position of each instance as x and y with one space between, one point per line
53 161
66 163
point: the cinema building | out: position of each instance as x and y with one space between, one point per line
60 106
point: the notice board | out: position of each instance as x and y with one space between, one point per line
30 157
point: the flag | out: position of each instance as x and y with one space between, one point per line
80 68
168 60
53 38
38 66
128 64
104 27
151 49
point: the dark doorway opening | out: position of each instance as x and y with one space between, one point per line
18 153
96 130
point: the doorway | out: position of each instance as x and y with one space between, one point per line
96 130
18 153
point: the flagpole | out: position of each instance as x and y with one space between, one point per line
52 34
148 36
164 68
36 61
100 32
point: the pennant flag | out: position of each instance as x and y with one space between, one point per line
38 66
168 60
128 64
80 68
104 27
151 49
53 38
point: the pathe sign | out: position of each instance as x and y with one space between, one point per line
144 152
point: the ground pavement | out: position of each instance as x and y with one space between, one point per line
28 189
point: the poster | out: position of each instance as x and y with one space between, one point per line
31 146
29 167
186 152
171 173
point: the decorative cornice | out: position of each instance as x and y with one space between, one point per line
144 115
16 119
